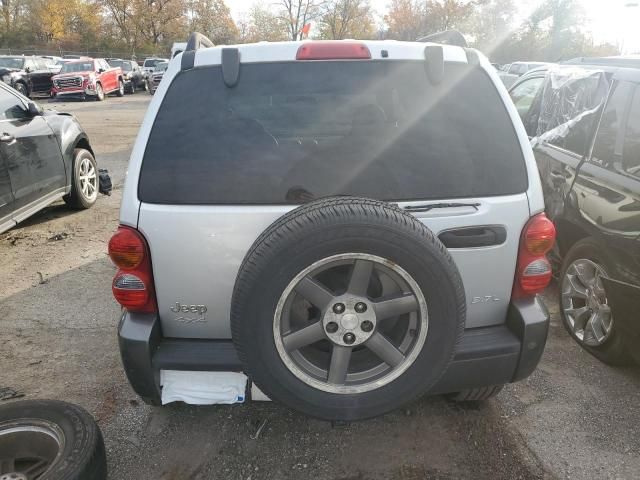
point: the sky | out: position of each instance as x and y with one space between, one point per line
609 20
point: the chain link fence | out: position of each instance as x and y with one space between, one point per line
84 53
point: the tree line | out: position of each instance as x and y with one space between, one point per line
553 31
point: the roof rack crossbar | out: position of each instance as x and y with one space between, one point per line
196 41
448 37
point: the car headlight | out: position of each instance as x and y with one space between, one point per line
128 76
6 78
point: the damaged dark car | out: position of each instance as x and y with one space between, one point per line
584 122
28 75
45 156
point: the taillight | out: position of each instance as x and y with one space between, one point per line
133 284
333 50
533 270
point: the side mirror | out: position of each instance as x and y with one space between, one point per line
101 70
27 69
34 109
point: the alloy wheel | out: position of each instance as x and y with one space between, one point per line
28 450
585 304
350 323
88 179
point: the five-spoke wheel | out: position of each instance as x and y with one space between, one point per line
350 323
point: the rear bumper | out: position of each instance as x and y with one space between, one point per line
485 356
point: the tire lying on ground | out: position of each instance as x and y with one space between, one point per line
50 440
347 308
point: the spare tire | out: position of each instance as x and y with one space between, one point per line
347 308
50 440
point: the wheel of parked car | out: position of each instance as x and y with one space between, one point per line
99 92
22 88
584 305
120 91
84 188
346 308
50 439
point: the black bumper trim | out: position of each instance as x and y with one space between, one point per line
197 355
485 356
138 337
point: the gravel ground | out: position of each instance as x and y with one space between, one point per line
573 418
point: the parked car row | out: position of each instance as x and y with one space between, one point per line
510 72
79 77
584 122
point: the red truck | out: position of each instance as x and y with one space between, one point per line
87 78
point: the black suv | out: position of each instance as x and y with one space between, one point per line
584 122
28 75
134 76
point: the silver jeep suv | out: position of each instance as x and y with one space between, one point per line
350 224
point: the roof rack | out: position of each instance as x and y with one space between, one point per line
448 37
628 62
195 42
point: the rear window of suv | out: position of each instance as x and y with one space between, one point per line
291 132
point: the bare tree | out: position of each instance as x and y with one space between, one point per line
262 24
297 13
122 14
346 19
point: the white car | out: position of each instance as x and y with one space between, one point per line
149 64
348 225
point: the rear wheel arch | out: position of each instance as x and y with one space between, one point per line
83 143
568 234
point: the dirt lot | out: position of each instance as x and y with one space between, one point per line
574 418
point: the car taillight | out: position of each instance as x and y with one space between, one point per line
133 284
533 270
333 50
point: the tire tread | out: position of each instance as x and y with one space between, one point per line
314 214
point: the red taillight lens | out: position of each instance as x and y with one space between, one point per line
130 291
533 271
126 248
333 50
133 284
539 235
